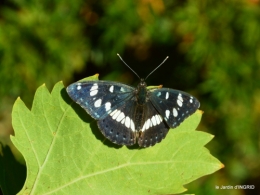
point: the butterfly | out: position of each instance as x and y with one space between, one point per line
126 115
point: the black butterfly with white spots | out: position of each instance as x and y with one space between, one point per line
126 115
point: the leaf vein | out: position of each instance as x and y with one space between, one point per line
49 151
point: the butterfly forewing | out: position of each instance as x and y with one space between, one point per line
174 105
99 98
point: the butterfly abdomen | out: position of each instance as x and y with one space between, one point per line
138 117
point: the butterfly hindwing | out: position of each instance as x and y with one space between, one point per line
119 125
174 105
153 127
99 98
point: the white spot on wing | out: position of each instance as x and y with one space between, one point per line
180 97
108 106
116 114
127 122
113 112
120 117
167 95
157 119
78 87
175 112
151 124
191 100
94 89
144 126
179 102
167 113
98 103
122 89
147 124
132 125
153 120
111 89
94 92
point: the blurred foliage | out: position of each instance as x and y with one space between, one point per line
40 42
214 49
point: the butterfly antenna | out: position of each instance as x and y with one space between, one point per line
157 67
128 66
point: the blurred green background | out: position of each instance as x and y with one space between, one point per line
213 49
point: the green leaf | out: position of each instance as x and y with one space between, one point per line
94 77
65 152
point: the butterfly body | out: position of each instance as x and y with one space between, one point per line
141 93
128 115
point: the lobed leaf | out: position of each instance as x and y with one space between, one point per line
65 152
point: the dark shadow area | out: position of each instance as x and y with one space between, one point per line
135 147
12 173
252 186
95 130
